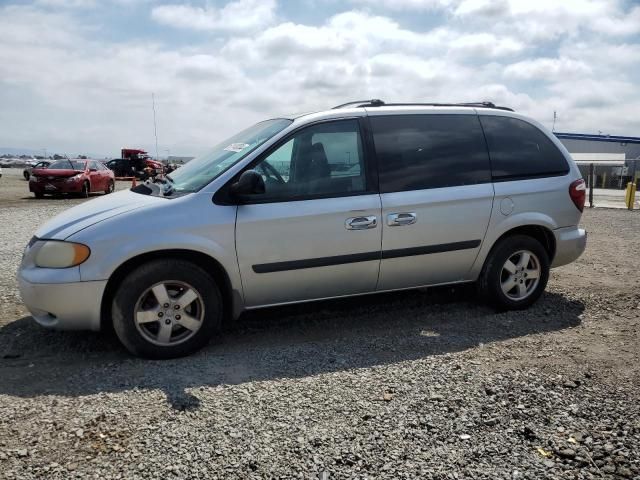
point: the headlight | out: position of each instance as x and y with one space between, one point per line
60 254
74 178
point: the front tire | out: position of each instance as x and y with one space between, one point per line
85 190
110 187
515 273
167 309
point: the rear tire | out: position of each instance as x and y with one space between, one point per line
515 273
39 195
151 316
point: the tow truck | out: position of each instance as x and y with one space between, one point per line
134 162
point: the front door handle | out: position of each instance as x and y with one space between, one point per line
404 218
361 223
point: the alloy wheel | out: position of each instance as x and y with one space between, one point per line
520 275
169 313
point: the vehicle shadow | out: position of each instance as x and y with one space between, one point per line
280 342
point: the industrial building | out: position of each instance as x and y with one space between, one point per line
616 159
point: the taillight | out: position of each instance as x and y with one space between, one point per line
578 193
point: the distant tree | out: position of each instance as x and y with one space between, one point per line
57 157
83 157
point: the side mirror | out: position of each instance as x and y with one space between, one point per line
249 183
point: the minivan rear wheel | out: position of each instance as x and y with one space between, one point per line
515 273
166 309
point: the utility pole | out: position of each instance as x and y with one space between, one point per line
555 116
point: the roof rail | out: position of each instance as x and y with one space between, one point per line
380 103
361 103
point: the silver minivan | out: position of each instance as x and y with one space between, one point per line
366 197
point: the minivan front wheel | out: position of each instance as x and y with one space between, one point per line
166 309
515 273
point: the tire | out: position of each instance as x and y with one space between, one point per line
39 195
85 190
497 276
137 299
110 187
26 175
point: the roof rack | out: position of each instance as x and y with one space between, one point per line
379 103
361 103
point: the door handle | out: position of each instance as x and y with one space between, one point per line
404 218
361 223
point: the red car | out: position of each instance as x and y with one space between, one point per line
72 176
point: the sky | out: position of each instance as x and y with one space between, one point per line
77 76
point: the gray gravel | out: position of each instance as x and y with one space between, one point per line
423 384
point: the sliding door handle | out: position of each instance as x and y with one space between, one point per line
404 218
361 223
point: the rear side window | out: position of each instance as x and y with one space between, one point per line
417 152
520 150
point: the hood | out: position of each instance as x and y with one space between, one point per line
94 211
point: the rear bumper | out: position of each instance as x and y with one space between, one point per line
570 243
64 306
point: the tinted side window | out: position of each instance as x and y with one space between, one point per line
520 150
429 151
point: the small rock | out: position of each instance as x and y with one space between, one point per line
22 452
625 472
492 421
79 433
570 384
608 447
549 463
528 433
567 453
464 436
609 469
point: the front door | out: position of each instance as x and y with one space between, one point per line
315 232
437 195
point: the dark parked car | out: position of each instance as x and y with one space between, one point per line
72 176
27 171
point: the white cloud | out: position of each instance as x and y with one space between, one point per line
234 16
548 69
66 83
407 4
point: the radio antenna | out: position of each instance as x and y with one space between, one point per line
155 130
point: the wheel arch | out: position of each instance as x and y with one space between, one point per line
210 265
543 234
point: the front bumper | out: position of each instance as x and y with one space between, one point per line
64 306
55 187
570 243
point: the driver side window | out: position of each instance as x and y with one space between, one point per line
321 160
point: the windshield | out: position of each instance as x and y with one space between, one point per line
67 165
202 170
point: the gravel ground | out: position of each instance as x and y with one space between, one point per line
421 384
